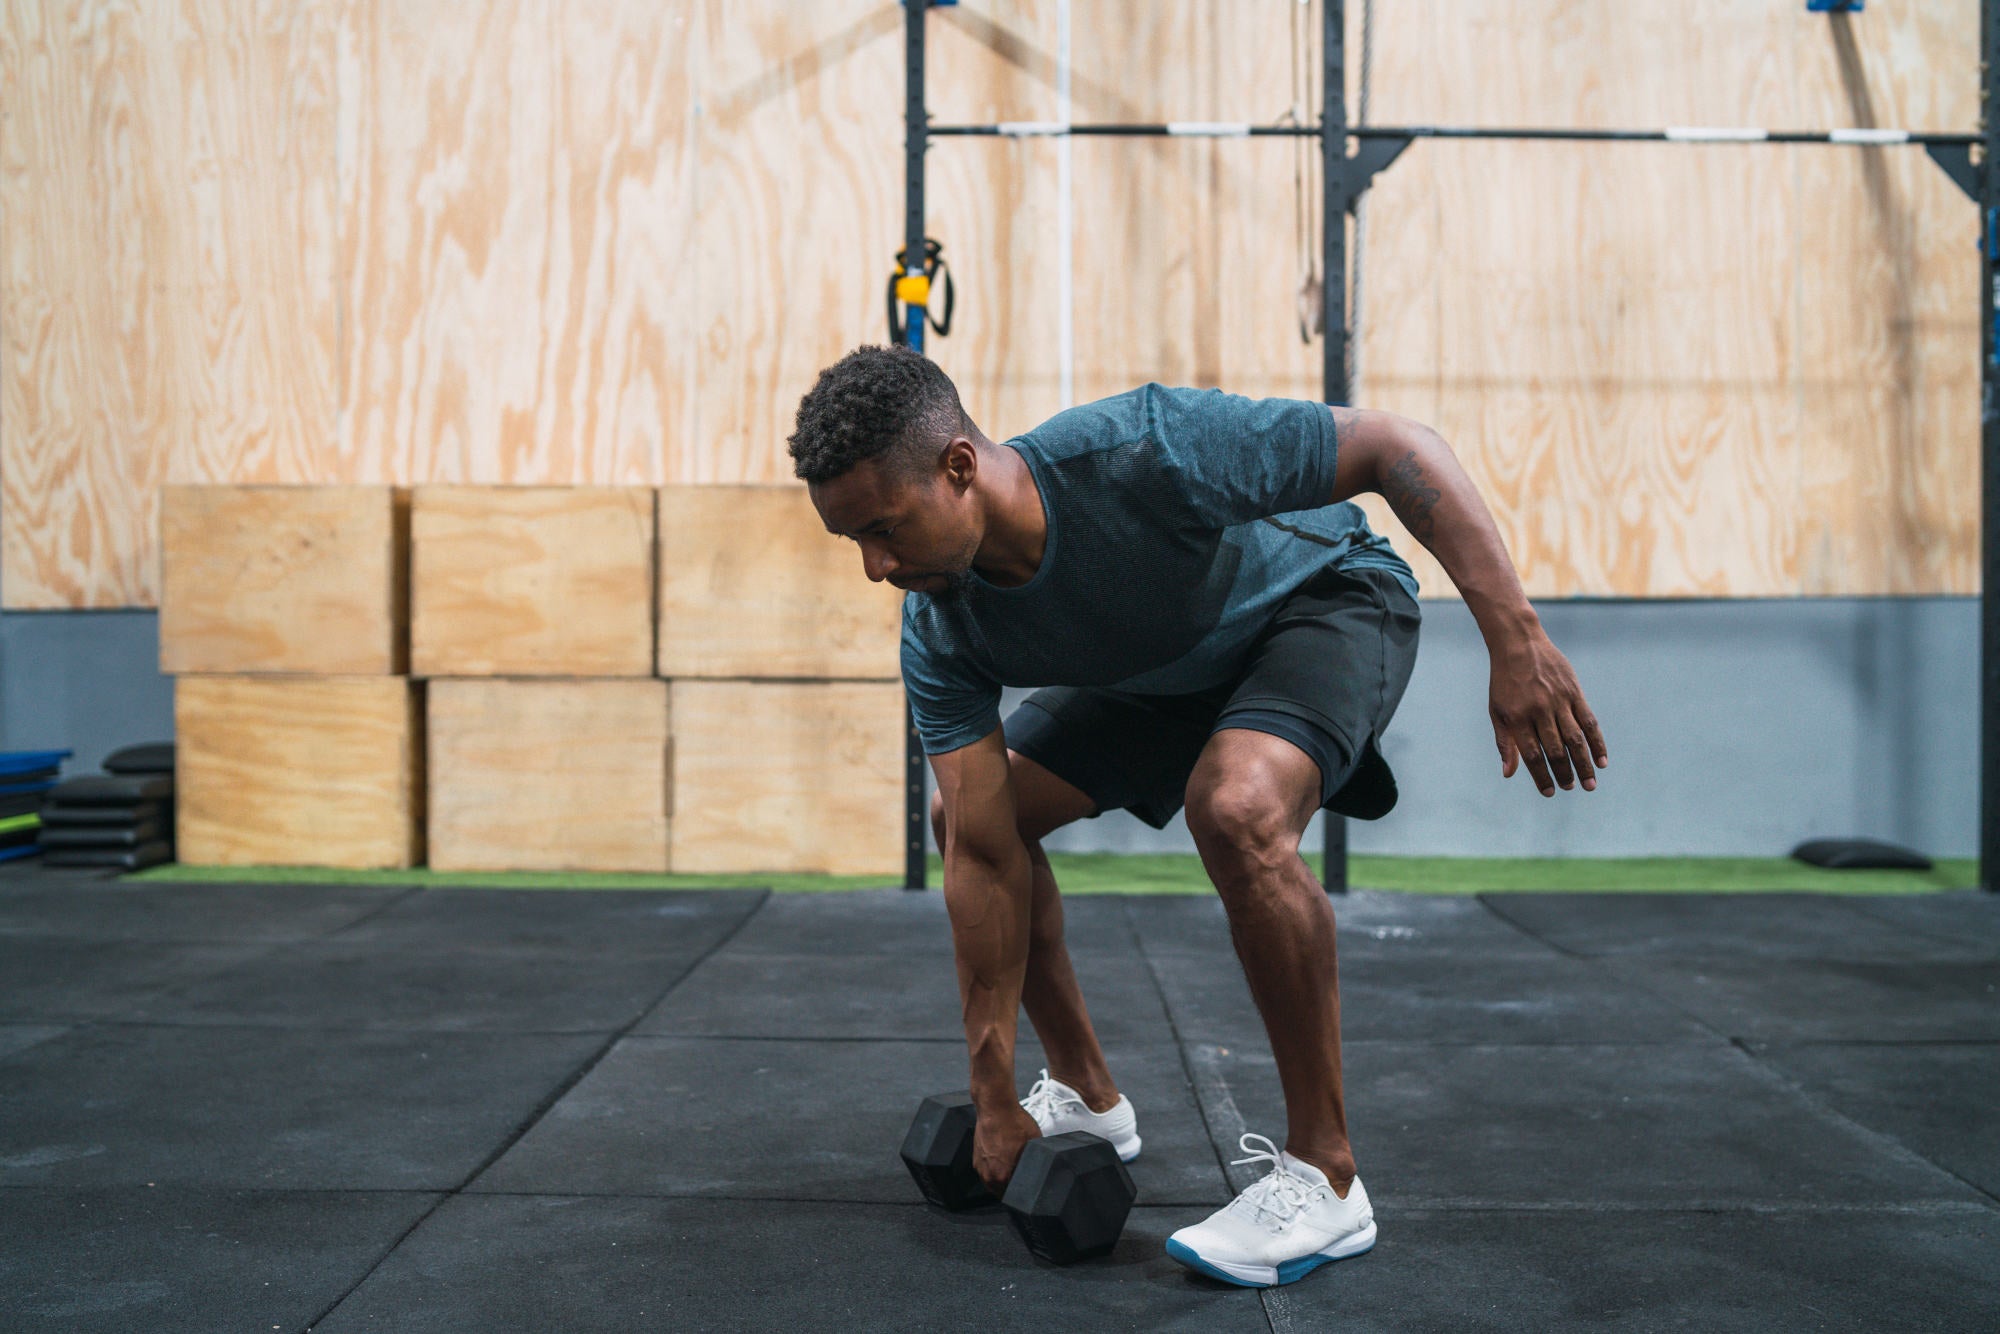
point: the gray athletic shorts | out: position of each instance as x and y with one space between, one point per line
1326 675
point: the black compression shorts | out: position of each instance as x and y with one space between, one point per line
1326 675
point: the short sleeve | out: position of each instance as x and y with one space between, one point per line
1240 459
952 703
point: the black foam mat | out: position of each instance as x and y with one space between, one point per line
100 909
621 923
740 994
1965 917
60 977
896 921
271 1108
180 1259
1526 1173
1746 1272
1931 1000
1773 926
585 1265
345 983
742 1118
20 1037
1940 1099
1365 921
1679 1126
1427 996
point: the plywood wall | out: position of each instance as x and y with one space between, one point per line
612 241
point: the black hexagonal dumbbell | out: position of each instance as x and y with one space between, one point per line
1069 1195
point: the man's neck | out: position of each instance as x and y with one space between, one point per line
1017 531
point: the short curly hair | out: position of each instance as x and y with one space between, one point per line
887 403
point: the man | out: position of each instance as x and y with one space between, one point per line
1213 626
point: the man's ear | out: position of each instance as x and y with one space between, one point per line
960 462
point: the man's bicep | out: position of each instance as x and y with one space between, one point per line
1372 443
978 793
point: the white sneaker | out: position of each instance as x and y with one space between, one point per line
1281 1228
1058 1109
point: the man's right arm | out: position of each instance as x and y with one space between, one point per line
988 890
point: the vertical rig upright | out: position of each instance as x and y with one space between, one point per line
916 810
1333 265
1988 181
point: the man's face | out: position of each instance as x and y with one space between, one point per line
912 534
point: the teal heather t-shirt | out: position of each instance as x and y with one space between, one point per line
1179 519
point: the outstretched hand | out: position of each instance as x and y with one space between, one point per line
1539 715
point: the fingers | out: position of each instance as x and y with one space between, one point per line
1538 765
1579 754
1549 734
1592 732
1510 757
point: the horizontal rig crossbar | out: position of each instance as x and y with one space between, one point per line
1677 134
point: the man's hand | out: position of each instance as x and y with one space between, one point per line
1539 715
997 1142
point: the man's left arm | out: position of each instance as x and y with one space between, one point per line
1538 710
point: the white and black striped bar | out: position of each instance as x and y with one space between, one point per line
1672 134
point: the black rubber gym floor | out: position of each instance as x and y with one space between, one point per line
287 1108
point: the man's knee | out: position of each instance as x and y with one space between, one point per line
1242 826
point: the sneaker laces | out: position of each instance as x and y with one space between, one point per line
1046 1097
1282 1194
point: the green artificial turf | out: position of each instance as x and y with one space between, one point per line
1174 873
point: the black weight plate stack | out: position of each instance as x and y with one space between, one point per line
123 819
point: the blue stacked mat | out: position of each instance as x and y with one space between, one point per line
26 777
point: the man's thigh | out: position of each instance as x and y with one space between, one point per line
1043 803
1123 751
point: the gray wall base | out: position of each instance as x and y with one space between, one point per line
1737 728
87 681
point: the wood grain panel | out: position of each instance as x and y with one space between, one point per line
752 585
994 204
548 775
613 241
515 217
800 213
299 771
1636 342
301 579
531 581
166 216
1889 363
787 776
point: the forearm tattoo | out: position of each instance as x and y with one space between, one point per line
1412 497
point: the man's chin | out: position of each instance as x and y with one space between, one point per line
943 587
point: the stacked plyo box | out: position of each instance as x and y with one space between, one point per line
283 619
786 702
364 671
532 624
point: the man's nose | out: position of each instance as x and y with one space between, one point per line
877 563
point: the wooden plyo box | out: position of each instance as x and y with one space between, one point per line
752 585
305 579
787 776
531 581
299 771
548 775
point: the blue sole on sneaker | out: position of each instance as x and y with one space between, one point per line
1288 1272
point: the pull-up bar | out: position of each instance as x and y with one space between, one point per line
1381 144
1228 129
